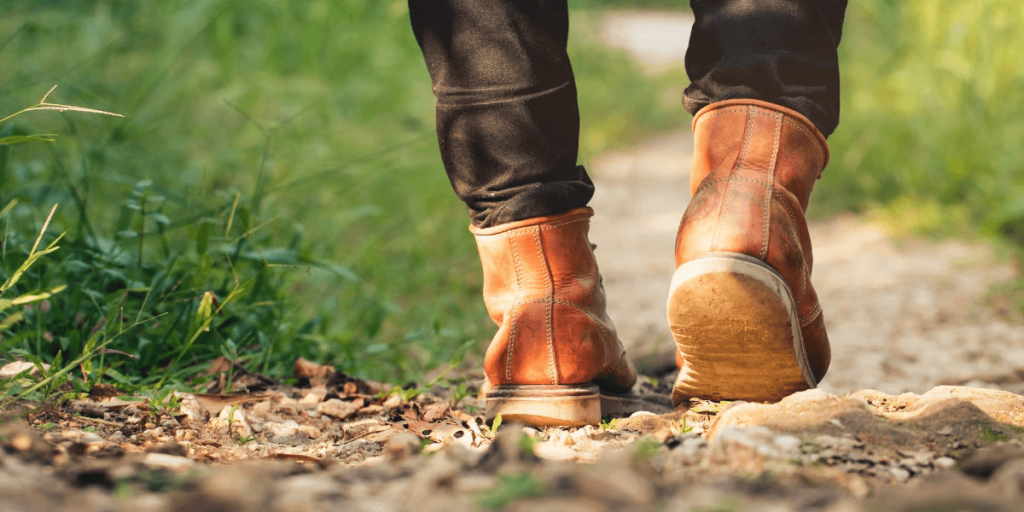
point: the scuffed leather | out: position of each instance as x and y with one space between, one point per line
543 290
755 165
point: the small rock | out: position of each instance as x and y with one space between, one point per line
690 450
11 370
986 461
945 462
167 461
614 480
732 443
393 401
169 448
190 411
945 431
900 474
402 446
337 408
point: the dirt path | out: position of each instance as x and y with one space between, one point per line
903 314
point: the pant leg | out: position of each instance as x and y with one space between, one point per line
507 119
781 51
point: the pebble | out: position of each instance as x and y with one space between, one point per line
167 461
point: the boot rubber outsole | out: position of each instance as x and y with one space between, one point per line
735 322
572 405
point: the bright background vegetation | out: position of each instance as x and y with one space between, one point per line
284 150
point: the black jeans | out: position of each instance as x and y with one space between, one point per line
507 119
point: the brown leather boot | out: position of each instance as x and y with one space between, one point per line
556 349
741 307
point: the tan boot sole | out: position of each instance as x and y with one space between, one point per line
735 321
543 406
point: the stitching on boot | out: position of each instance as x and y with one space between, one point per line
810 317
554 226
549 308
801 129
612 367
731 178
812 138
792 216
722 113
597 321
728 188
803 285
767 220
515 232
515 308
511 344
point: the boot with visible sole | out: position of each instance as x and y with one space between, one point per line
556 351
741 307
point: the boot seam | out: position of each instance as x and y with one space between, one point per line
515 308
514 232
739 166
708 183
801 129
549 292
605 333
811 316
803 285
767 219
717 114
792 216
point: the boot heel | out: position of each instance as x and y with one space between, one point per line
573 405
735 322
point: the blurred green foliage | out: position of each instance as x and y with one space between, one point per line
932 116
280 150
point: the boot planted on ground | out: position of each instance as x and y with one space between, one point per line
741 307
556 350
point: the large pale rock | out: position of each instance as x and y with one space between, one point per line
947 411
1002 406
867 432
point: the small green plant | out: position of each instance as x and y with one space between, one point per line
459 393
711 408
509 488
231 416
163 402
242 441
991 435
608 424
492 430
683 427
645 448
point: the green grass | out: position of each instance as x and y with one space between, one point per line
932 117
280 153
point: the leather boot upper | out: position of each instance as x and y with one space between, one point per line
755 164
543 290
